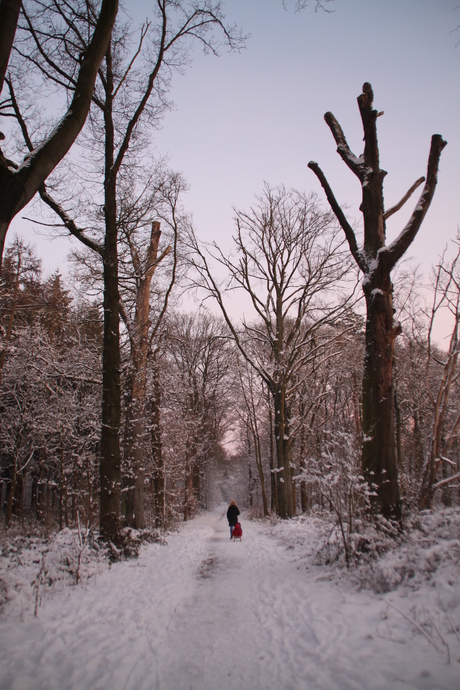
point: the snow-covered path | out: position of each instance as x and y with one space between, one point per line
204 613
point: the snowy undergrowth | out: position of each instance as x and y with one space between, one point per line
427 552
34 568
170 618
417 575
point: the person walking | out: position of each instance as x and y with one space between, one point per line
232 516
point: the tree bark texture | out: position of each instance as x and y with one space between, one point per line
379 442
376 261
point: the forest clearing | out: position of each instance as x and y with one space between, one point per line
204 612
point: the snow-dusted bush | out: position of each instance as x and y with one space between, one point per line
428 552
425 553
33 566
335 479
130 540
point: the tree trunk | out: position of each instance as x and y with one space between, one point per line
187 488
110 444
157 449
273 481
379 446
303 463
440 401
399 426
283 457
111 391
260 469
135 412
9 14
432 466
10 499
9 328
62 491
196 480
4 225
304 496
134 459
252 426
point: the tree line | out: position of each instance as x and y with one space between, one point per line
206 426
310 390
51 394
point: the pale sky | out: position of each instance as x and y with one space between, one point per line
243 119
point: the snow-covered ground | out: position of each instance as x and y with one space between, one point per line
204 613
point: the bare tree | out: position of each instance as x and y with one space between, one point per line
19 183
290 265
127 98
446 421
142 316
201 358
376 261
253 397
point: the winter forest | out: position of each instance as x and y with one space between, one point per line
295 366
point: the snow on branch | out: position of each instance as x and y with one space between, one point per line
69 223
396 249
357 165
443 482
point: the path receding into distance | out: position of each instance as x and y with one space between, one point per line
204 613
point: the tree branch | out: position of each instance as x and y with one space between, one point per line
405 198
348 230
369 120
396 249
69 223
18 116
9 15
67 77
355 164
443 482
34 171
144 29
127 321
213 289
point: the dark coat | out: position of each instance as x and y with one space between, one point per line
232 515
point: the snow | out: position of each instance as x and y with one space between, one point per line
205 613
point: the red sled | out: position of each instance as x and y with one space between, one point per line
237 532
